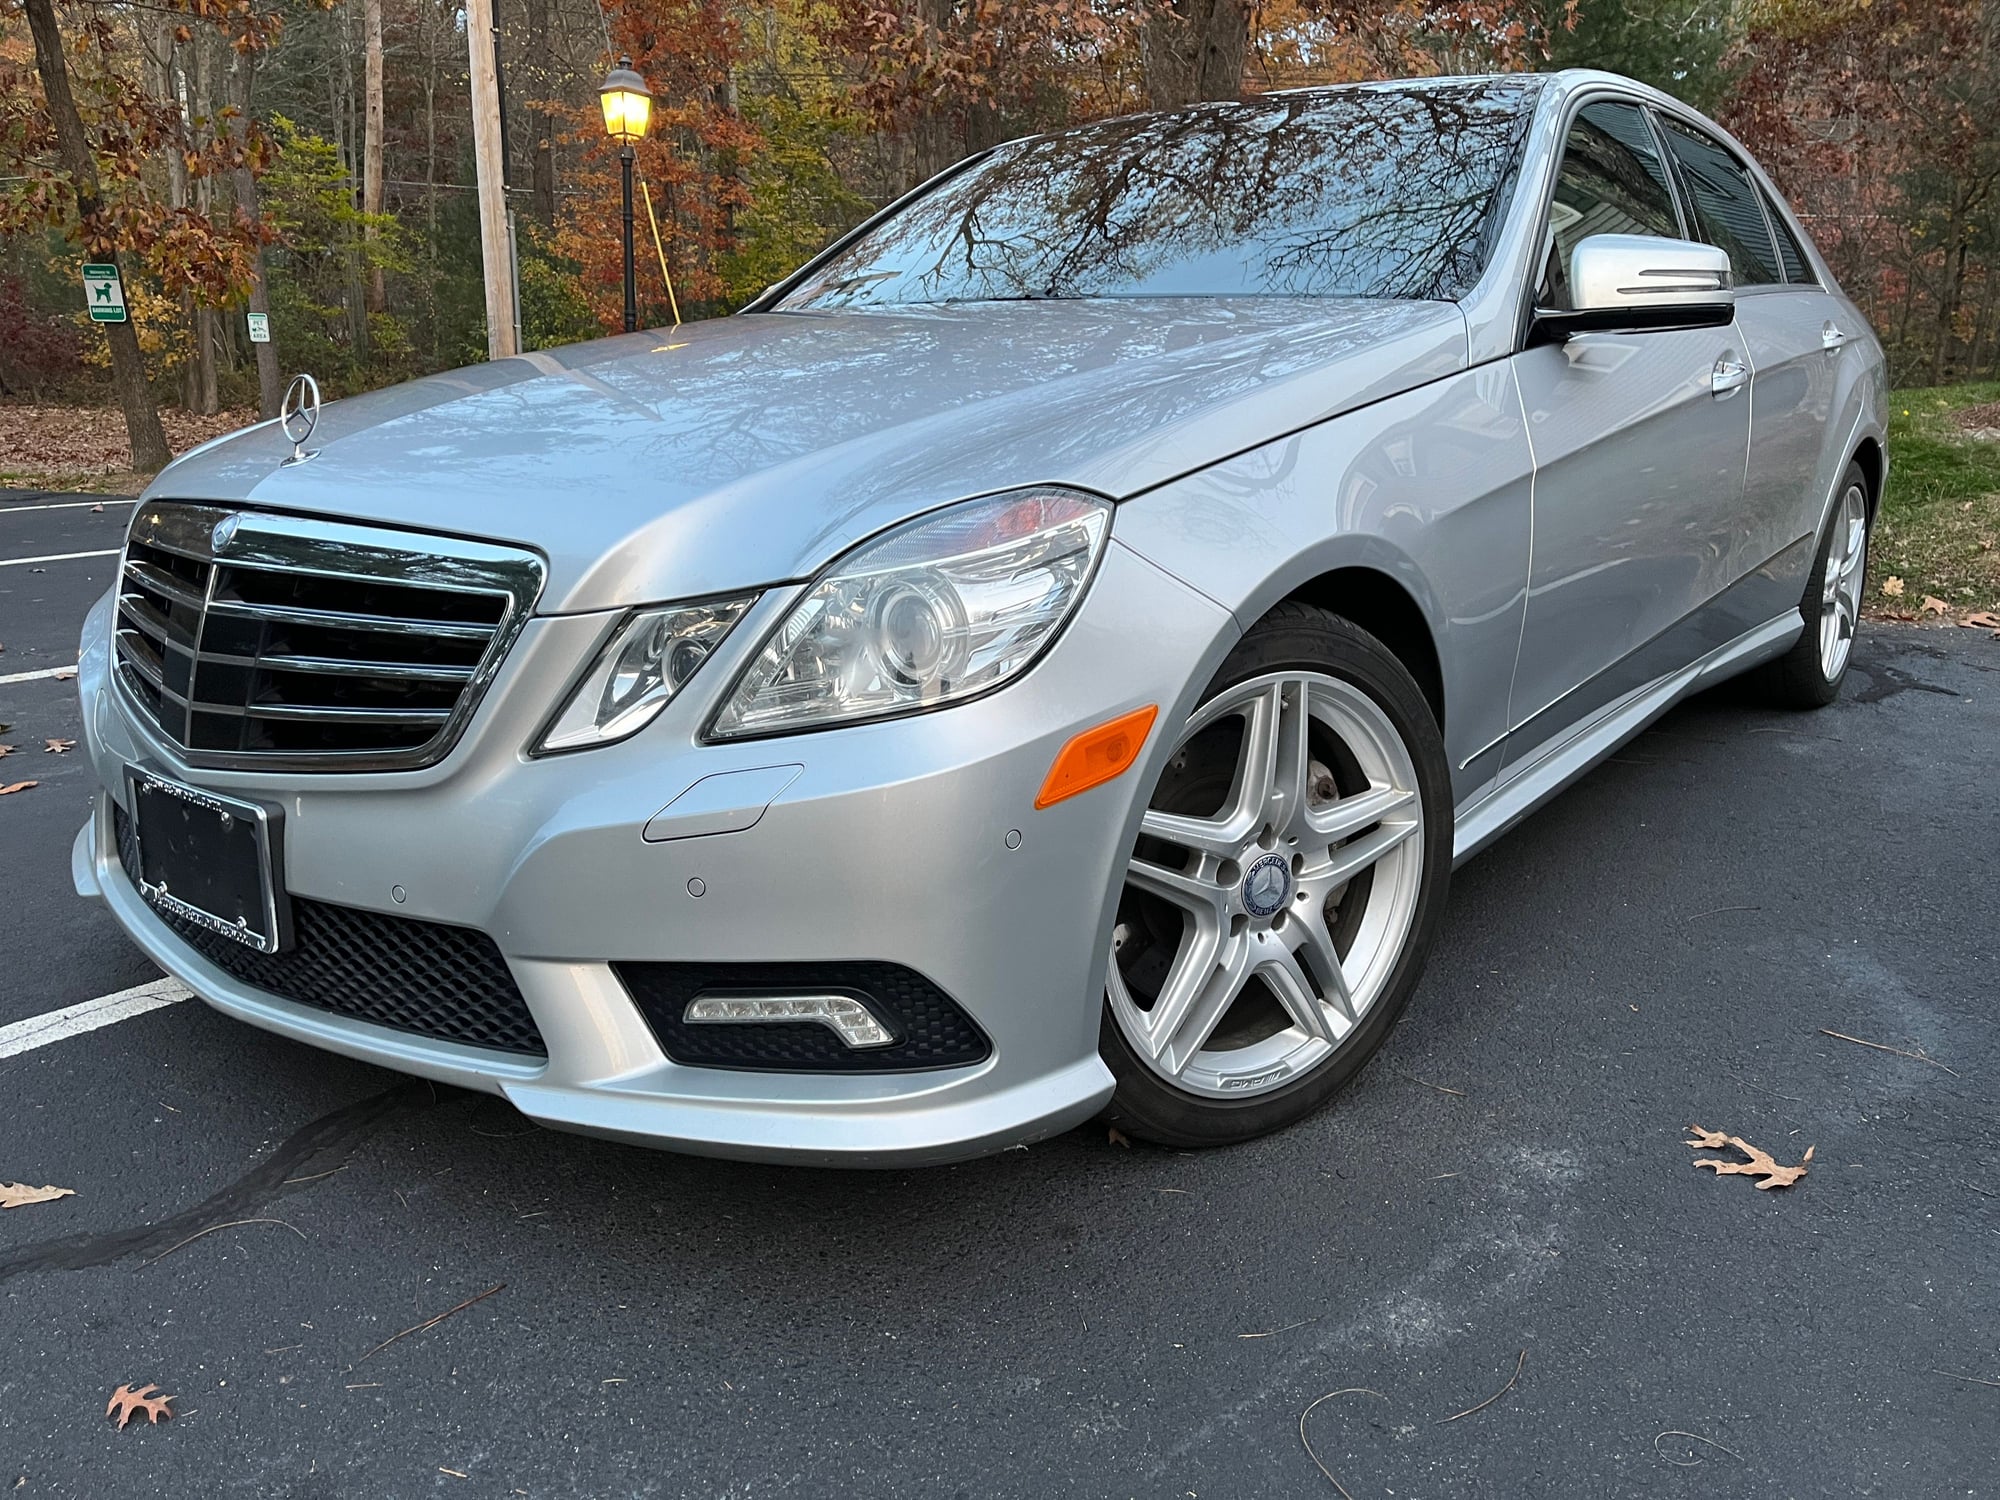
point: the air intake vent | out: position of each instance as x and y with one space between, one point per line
253 640
426 978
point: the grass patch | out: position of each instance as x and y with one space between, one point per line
1939 530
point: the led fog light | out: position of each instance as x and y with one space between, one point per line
853 1022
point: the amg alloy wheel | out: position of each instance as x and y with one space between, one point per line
1282 889
1841 581
1810 673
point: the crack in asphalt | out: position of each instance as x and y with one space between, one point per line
252 1190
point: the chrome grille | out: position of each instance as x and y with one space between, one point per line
256 640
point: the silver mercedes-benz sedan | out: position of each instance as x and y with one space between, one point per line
1043 659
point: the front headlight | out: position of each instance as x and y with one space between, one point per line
648 659
940 609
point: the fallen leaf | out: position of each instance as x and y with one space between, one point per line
127 1403
1118 1137
6 749
20 1195
1984 620
97 509
1933 605
1893 587
58 747
1759 1165
19 786
63 674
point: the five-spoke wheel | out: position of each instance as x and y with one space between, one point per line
1274 906
1810 673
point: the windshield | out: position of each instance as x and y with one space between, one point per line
1357 192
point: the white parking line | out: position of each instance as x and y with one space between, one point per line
69 671
22 562
8 510
75 1020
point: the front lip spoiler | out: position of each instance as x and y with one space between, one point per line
848 1136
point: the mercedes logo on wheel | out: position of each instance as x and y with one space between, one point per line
1267 885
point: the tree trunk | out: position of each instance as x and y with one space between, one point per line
1194 49
128 367
270 384
371 150
541 129
196 75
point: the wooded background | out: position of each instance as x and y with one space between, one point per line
316 157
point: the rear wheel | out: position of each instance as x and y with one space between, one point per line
1284 889
1809 675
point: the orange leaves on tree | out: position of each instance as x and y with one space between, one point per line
693 160
208 255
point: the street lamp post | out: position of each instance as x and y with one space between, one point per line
628 106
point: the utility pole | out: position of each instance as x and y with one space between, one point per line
490 164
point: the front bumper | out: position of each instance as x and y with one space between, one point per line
890 842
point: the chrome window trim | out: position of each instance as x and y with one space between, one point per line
281 544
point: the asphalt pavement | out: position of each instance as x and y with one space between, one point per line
358 1285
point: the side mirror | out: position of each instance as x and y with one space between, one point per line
1630 283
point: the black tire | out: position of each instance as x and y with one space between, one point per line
1799 679
1299 637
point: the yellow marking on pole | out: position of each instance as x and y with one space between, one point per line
672 300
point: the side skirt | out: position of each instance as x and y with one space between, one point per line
1531 783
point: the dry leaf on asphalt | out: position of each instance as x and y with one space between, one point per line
18 786
6 749
63 674
1984 620
1118 1137
20 1195
127 1403
1893 587
58 747
1759 1165
1933 605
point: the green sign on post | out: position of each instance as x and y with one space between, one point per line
104 294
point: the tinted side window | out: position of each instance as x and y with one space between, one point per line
1790 254
1611 182
1724 199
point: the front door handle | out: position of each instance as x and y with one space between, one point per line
1831 338
1729 374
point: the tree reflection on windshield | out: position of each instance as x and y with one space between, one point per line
1355 192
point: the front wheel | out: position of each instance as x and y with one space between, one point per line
1284 890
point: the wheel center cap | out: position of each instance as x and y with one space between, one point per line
1267 885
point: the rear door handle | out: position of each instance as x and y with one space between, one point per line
1729 374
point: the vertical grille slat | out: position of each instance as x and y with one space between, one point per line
251 639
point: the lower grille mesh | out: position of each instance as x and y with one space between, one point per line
428 978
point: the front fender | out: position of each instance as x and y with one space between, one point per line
1431 489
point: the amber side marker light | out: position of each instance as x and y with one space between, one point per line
1098 755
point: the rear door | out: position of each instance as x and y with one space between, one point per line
1639 444
1794 340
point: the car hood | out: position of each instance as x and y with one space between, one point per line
752 450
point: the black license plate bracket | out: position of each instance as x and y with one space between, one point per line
210 859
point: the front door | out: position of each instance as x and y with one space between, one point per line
1639 441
